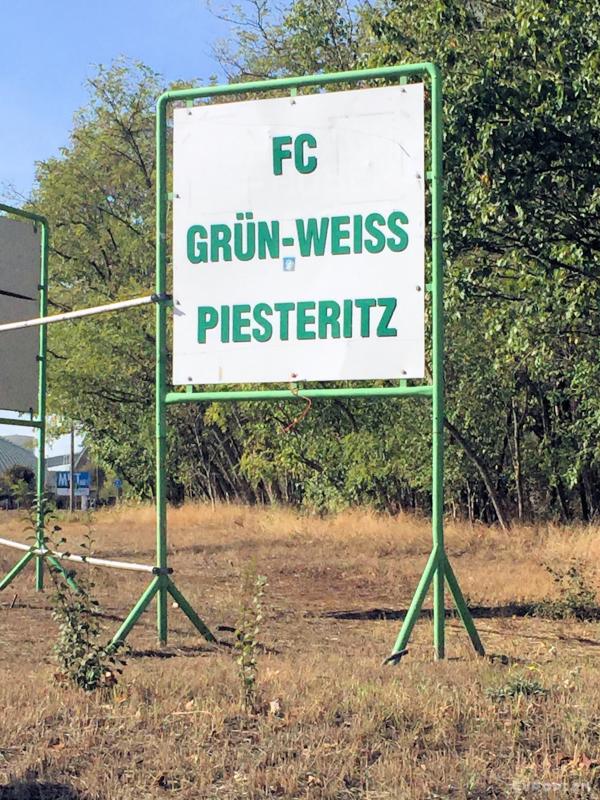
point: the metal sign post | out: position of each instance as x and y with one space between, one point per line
39 420
438 569
39 551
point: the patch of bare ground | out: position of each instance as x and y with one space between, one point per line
333 723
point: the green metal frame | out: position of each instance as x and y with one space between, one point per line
39 421
438 570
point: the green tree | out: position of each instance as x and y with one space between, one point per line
522 225
303 37
522 272
522 228
17 484
98 197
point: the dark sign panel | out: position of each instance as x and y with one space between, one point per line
19 279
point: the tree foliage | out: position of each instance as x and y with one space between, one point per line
522 118
17 484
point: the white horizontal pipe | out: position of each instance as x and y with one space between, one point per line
84 312
16 545
97 562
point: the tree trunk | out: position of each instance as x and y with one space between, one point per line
585 509
516 455
486 475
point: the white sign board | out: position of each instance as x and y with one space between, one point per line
19 278
298 231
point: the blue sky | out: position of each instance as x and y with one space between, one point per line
50 47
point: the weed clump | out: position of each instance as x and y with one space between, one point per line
517 686
83 658
576 598
247 630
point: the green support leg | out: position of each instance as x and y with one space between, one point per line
64 572
438 569
18 567
437 363
414 609
462 608
432 571
39 574
162 611
189 612
136 612
439 607
161 584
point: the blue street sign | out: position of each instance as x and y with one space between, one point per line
82 480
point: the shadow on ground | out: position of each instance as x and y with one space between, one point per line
39 790
176 652
478 612
591 614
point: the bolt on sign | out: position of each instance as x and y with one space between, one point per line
298 238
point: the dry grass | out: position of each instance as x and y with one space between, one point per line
343 727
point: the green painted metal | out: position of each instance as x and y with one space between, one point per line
437 358
67 574
40 422
137 611
161 584
288 394
189 611
41 411
438 569
319 79
23 423
18 567
462 608
414 608
31 554
161 366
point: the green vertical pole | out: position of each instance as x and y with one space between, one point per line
437 200
160 377
437 569
41 410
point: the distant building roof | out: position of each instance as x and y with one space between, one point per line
64 462
28 442
11 455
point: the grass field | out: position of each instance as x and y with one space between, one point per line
332 722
